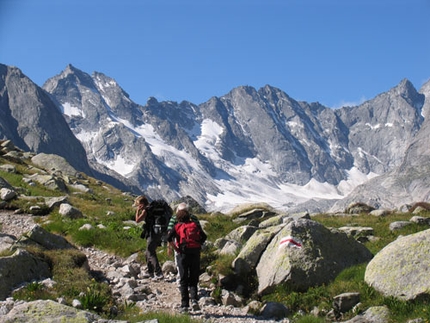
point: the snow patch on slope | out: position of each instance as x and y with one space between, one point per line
252 181
70 110
254 189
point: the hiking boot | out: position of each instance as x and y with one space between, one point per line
158 277
195 305
147 275
183 309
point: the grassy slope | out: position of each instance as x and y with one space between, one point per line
112 208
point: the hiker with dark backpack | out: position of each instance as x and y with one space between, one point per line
156 216
187 238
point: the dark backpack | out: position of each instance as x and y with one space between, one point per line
157 219
190 236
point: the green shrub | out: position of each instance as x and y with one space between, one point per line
218 225
299 301
96 298
222 265
32 291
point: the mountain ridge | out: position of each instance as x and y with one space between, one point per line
248 145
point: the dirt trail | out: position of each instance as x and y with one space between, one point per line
166 293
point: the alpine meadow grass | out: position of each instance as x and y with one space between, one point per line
108 224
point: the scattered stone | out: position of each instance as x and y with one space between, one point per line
242 233
54 202
345 302
356 232
81 188
7 194
376 314
420 220
76 303
274 311
358 208
230 247
69 211
51 182
380 213
8 168
86 226
398 225
230 298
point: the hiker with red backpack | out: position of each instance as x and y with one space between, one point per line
172 223
186 238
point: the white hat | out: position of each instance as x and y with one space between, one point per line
182 206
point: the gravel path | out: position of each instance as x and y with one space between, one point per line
167 294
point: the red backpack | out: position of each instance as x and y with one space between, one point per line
189 235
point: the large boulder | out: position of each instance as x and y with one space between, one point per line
272 221
70 211
305 254
20 267
54 163
401 269
56 201
248 257
6 241
232 242
47 311
48 240
241 234
51 182
283 219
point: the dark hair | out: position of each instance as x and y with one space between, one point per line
182 216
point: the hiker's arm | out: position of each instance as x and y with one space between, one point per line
173 246
171 239
140 213
172 222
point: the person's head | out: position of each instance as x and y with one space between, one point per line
182 216
182 206
141 200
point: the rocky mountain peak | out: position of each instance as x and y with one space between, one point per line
407 91
70 77
105 84
151 101
425 88
70 69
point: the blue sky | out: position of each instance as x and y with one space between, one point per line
332 51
